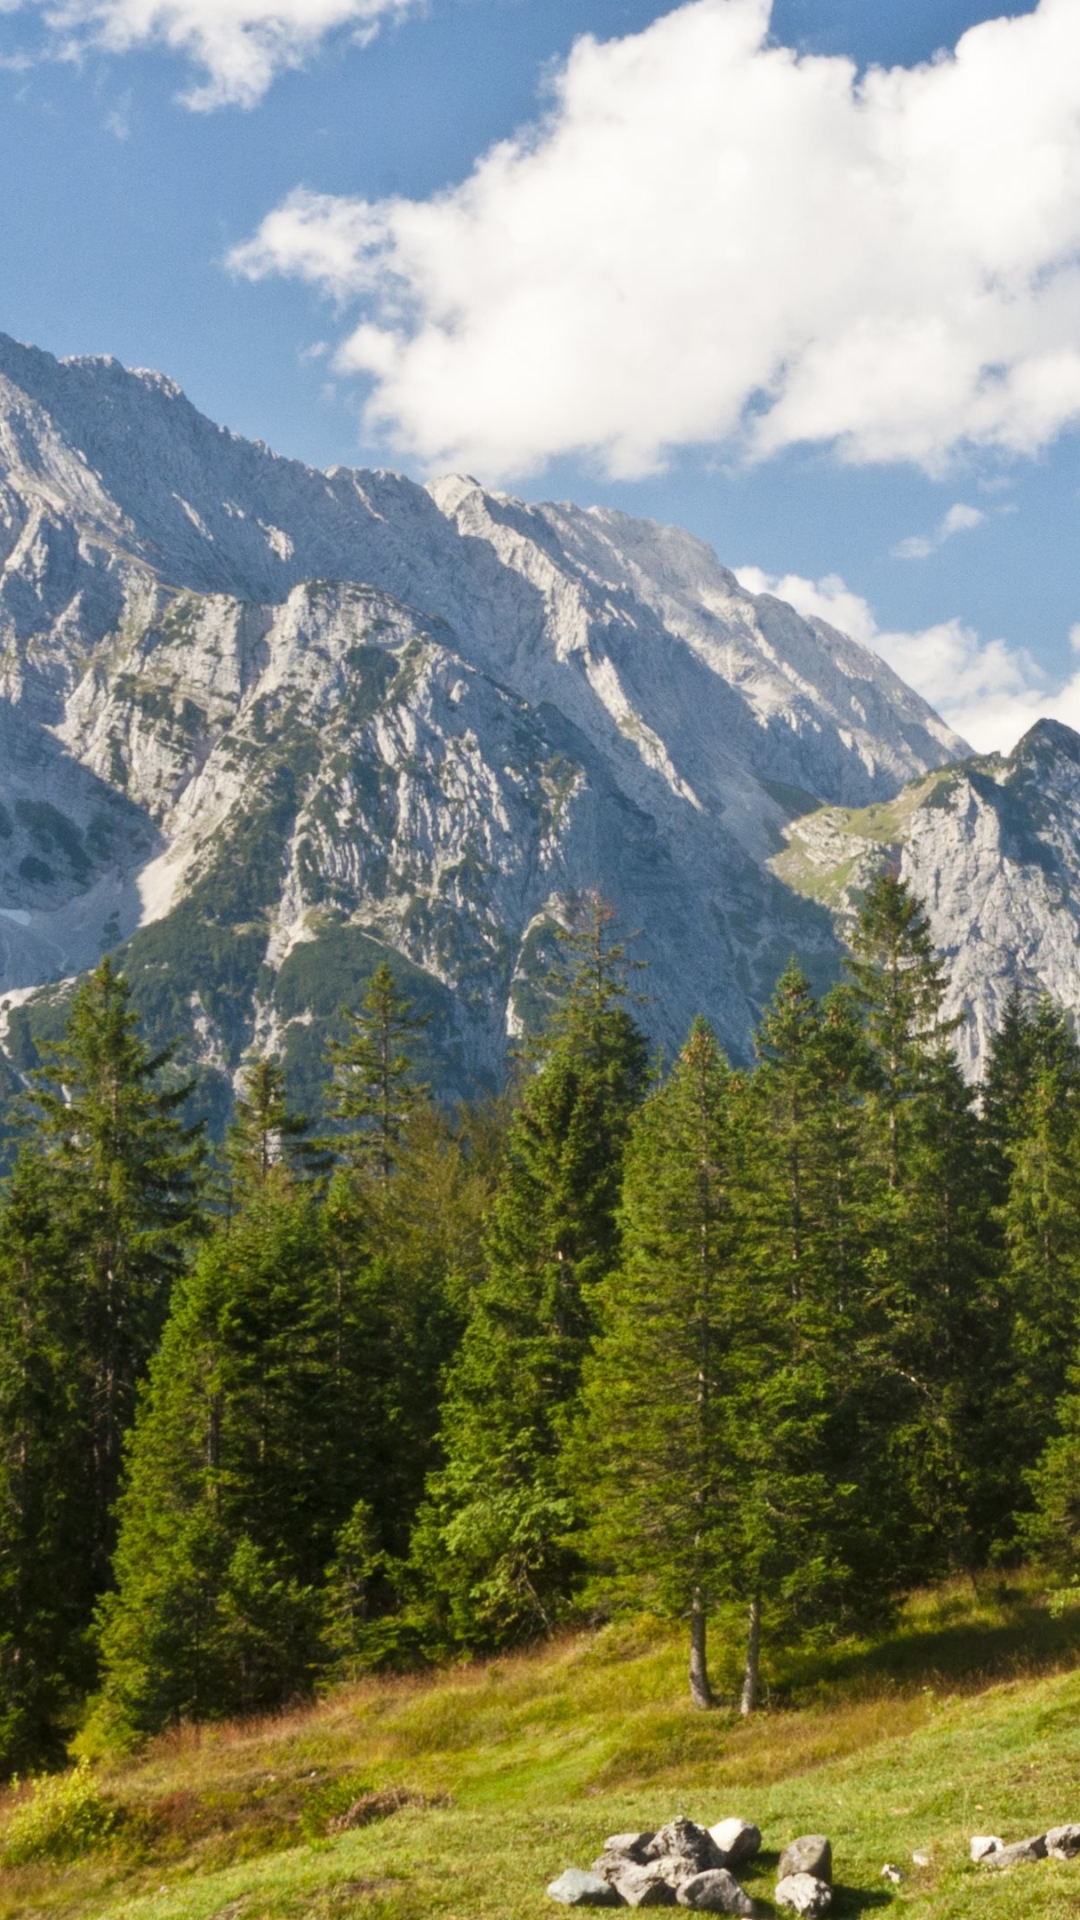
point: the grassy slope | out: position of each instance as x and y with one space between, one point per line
965 1719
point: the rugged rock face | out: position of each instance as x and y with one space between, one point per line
993 847
259 723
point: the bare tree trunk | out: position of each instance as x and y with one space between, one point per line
753 1658
700 1690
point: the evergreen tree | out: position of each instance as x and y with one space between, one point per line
930 1236
374 1085
1041 1307
99 1214
235 1483
266 1141
46 1582
705 1402
1034 1039
123 1171
490 1544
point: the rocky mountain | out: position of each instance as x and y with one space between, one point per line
992 845
261 724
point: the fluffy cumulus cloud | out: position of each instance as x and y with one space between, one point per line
240 45
710 239
990 692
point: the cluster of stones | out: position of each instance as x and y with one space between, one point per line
1057 1843
690 1866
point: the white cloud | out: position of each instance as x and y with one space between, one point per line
989 692
959 519
709 238
241 45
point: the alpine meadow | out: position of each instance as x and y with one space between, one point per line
539 959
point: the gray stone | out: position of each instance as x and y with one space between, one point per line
920 1859
576 1889
687 1846
891 1873
737 1840
631 1845
648 1886
804 1893
811 1853
717 1891
983 1843
1063 1843
1014 1856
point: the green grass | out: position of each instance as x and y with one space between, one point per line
965 1717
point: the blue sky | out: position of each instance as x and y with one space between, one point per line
829 322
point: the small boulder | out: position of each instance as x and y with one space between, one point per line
622 1850
804 1893
576 1889
1014 1856
686 1847
647 1886
892 1874
737 1840
811 1853
716 1891
983 1843
1063 1843
920 1859
631 1845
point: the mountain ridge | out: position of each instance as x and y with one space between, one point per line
429 715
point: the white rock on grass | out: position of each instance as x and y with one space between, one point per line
983 1843
737 1840
804 1893
1063 1843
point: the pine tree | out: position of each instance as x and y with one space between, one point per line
1034 1039
704 1406
97 1222
930 1236
46 1583
1041 1224
236 1482
123 1172
489 1546
265 1140
374 1086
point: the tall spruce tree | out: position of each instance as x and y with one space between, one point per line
701 1452
265 1139
99 1216
930 1236
490 1546
235 1485
1033 1039
1040 1219
46 1581
374 1089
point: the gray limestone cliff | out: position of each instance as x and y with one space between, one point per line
260 724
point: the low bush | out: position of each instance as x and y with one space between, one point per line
64 1816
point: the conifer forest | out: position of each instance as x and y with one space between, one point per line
406 1384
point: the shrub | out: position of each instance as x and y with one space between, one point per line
64 1817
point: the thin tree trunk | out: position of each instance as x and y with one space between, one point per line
753 1658
700 1690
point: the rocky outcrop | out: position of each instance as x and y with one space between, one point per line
273 709
992 846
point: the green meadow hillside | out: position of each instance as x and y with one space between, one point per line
964 1718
